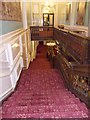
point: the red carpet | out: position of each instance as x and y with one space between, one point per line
41 94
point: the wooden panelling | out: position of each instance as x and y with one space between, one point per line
75 45
73 60
41 32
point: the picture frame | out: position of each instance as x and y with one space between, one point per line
81 10
10 11
68 11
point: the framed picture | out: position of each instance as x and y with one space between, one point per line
10 11
68 10
81 13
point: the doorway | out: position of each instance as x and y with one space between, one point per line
48 19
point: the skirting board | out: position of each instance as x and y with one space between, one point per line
6 94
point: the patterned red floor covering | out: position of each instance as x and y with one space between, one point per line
41 94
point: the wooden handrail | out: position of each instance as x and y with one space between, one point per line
76 45
82 68
41 32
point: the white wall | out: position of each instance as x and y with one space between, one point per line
28 10
73 14
61 13
39 11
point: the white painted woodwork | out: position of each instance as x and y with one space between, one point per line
24 14
25 42
16 52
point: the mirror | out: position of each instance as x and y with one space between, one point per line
48 19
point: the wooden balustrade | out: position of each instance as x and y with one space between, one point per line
72 58
81 82
73 61
74 44
76 76
41 32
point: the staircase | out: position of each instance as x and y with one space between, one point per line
41 94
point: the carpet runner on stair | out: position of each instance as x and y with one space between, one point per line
41 94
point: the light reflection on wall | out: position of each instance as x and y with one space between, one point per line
49 6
